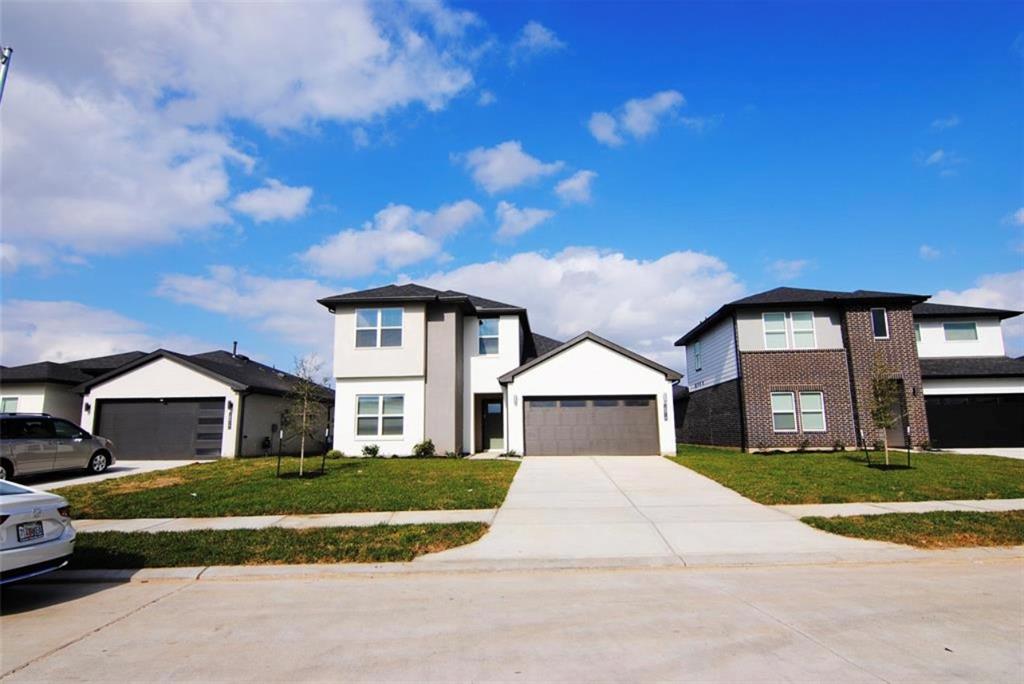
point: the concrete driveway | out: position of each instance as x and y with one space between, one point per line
636 508
1005 452
120 469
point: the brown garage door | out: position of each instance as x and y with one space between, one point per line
568 426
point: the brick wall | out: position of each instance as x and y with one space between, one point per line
900 352
822 370
713 416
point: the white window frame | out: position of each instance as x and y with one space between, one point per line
945 331
785 330
379 327
3 402
481 337
796 424
379 416
794 331
698 356
824 420
885 317
917 332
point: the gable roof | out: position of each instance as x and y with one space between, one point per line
544 344
67 372
972 366
937 310
669 373
780 296
238 372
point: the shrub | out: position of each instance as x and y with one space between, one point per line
511 453
452 454
424 448
371 450
334 453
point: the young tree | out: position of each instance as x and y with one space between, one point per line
306 413
885 400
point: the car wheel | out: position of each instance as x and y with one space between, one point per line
5 469
98 463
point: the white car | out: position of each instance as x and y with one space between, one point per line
36 535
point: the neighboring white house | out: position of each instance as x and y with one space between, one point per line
414 363
166 405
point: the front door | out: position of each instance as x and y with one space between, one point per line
494 425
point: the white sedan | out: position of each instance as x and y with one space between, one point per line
36 535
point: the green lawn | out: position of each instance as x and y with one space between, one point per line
844 477
376 544
249 487
937 530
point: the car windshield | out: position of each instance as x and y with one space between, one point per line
8 489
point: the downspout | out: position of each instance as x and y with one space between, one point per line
739 385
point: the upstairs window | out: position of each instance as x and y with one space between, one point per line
488 336
698 356
966 331
774 330
803 330
880 324
379 327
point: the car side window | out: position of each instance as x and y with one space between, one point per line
37 428
65 430
12 429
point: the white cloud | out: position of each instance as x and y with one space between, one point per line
936 157
513 221
360 137
505 166
35 330
787 269
946 162
643 304
486 99
1017 218
576 188
274 201
928 253
534 39
945 123
640 118
397 236
283 307
995 291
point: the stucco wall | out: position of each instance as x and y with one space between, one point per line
828 328
31 397
481 373
346 391
588 369
372 362
443 402
261 413
60 401
933 342
974 386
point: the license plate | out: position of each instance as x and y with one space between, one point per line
29 531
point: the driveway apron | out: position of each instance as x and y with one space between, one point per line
644 509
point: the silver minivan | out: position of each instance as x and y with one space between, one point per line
37 443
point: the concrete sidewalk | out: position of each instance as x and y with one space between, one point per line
646 510
259 522
849 509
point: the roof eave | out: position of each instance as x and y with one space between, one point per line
668 372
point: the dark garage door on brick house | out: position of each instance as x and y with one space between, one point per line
153 429
604 425
976 420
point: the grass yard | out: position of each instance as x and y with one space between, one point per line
937 530
249 487
844 477
273 545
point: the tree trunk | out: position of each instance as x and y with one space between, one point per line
302 439
885 443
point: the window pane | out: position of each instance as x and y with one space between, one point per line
878 323
368 405
366 426
9 405
366 318
636 402
782 401
489 326
366 338
391 318
606 402
811 401
573 403
65 430
784 421
813 422
775 340
956 332
802 320
542 403
775 322
803 340
391 337
917 331
36 428
392 426
488 345
394 406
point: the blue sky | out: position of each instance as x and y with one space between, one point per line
744 146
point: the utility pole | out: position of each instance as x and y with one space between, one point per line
5 61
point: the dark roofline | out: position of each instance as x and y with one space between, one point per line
971 367
669 373
940 310
160 354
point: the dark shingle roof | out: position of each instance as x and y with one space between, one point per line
543 344
43 371
797 295
937 310
104 364
972 366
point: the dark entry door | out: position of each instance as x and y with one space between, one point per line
977 420
168 429
568 426
494 425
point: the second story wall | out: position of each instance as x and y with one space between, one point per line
962 337
483 370
717 363
405 360
828 329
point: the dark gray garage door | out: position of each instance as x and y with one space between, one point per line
566 426
980 420
170 429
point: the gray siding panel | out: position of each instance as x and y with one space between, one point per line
442 390
718 347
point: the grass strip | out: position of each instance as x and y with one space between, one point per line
935 530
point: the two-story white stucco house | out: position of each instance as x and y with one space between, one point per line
413 363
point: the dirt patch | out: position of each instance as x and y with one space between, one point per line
128 485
